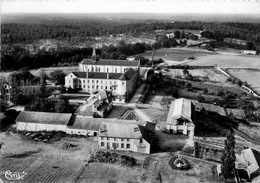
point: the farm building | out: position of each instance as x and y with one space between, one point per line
181 117
42 121
98 105
84 126
125 136
248 165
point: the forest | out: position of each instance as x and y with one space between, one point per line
82 30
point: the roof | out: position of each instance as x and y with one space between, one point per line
95 123
124 130
252 157
180 108
86 124
44 117
128 75
110 62
97 75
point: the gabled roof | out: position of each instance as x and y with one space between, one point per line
128 75
252 158
110 62
180 108
124 130
44 117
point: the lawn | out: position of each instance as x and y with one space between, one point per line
228 60
177 54
251 76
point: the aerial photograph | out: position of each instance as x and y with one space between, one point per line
130 91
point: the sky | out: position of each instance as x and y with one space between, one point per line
132 6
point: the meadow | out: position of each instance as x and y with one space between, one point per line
177 54
251 76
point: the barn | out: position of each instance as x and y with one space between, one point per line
85 126
42 121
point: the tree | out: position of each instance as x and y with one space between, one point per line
228 157
58 77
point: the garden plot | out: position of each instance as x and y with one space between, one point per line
212 74
251 76
41 169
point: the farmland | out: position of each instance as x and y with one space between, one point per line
41 169
177 54
228 60
251 76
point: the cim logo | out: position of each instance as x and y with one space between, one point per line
13 175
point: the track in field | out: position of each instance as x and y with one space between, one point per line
42 169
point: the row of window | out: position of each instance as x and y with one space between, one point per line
92 69
115 139
115 145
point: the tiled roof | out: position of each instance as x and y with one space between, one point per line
44 117
97 75
180 108
110 62
124 130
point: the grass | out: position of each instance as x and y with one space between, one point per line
251 76
227 60
176 54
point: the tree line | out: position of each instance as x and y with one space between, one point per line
82 30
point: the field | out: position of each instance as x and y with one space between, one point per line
177 54
213 75
228 60
66 70
41 169
251 76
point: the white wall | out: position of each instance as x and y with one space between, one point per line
23 126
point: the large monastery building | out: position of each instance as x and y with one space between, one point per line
118 76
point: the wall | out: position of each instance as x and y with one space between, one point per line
40 127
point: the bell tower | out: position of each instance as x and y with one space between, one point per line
94 57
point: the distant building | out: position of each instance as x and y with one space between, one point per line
181 117
42 121
125 136
248 52
248 165
98 105
118 76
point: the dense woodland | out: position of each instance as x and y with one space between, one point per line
83 29
14 57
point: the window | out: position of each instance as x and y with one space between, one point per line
93 81
115 82
123 83
122 139
122 145
115 70
102 138
106 87
107 144
83 86
88 81
97 81
97 87
102 144
127 140
107 138
117 145
83 81
128 146
101 87
101 81
141 140
92 87
107 69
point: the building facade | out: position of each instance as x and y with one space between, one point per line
118 76
125 136
181 118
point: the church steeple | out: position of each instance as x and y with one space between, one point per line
94 57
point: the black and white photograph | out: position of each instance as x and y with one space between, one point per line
130 91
